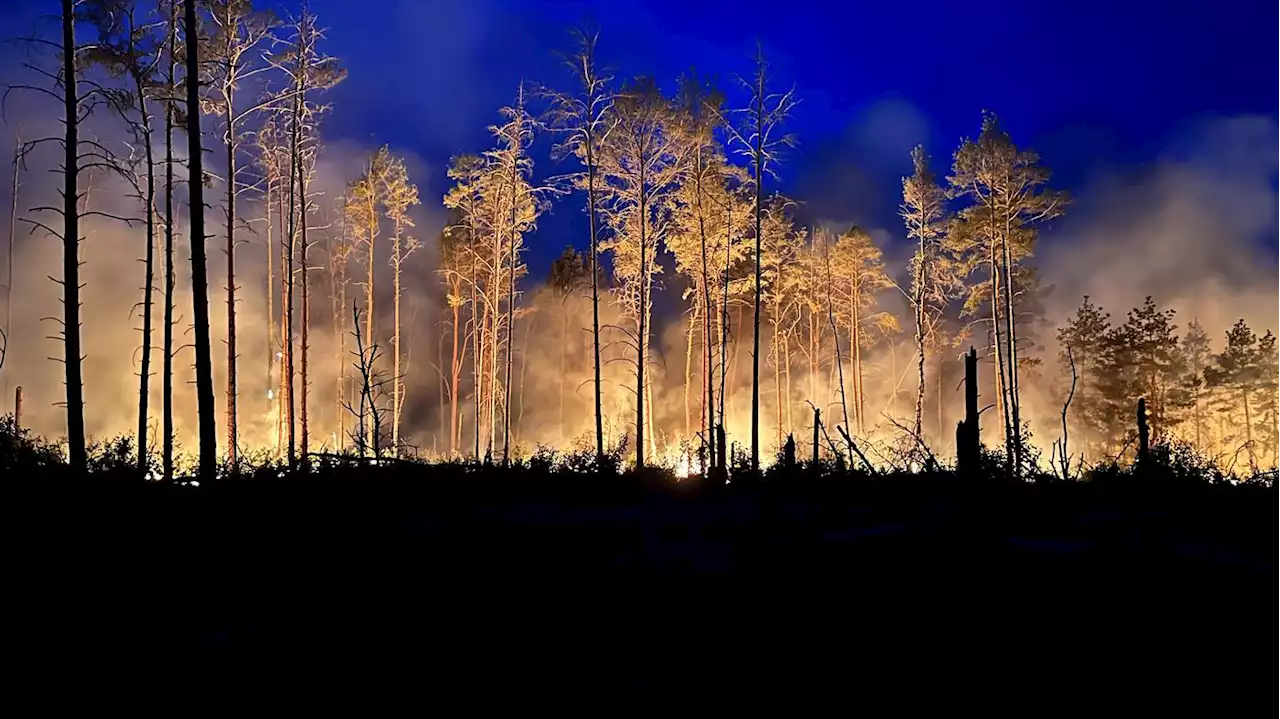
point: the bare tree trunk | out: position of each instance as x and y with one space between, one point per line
396 384
284 395
511 345
595 293
1002 385
922 274
199 270
71 245
370 430
271 297
166 358
855 349
688 371
707 367
758 156
13 220
641 334
564 350
290 274
304 379
777 376
1248 430
477 361
232 428
149 263
1012 338
455 370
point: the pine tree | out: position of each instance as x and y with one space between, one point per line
129 47
238 30
1086 335
640 162
923 210
1196 357
1237 373
199 270
586 119
1005 187
857 276
760 139
398 196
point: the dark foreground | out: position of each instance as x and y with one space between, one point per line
380 595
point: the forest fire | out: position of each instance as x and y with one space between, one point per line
346 333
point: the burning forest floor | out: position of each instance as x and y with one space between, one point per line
371 589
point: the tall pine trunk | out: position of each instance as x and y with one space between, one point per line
922 274
166 358
290 273
1011 337
71 245
511 306
707 370
641 336
199 270
304 418
755 322
455 376
595 294
144 394
232 427
397 386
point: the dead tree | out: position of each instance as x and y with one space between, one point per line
366 432
238 29
199 270
968 447
166 353
1144 432
760 142
13 218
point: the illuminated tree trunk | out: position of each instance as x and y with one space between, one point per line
1012 338
71 244
199 271
777 376
166 358
455 369
688 370
642 342
707 371
511 345
305 378
370 430
295 173
397 385
595 293
232 427
144 394
758 157
477 361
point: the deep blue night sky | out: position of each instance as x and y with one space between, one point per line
1094 86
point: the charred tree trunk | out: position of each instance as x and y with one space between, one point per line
968 447
232 427
641 336
199 271
149 263
758 156
290 273
71 245
166 357
304 378
595 296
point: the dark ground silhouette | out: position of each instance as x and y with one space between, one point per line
395 591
